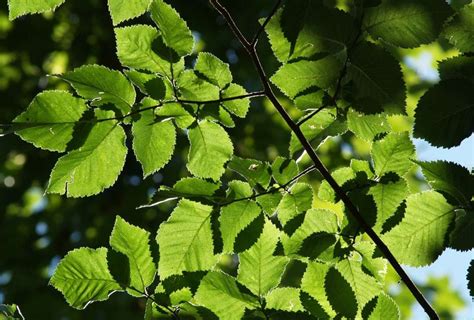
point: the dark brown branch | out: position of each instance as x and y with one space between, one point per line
321 167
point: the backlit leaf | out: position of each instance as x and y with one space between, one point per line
407 23
153 142
102 86
49 121
219 293
121 10
95 165
210 149
175 31
185 240
18 8
83 276
133 242
419 238
259 269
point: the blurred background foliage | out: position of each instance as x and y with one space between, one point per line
37 230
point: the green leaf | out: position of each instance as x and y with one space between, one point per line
312 28
213 69
364 286
260 270
214 112
460 67
183 117
136 49
388 197
385 309
238 107
470 279
367 127
19 8
317 129
121 10
185 240
293 78
445 114
313 283
10 312
341 176
234 218
419 239
372 263
296 201
49 121
238 190
407 23
210 149
460 30
284 299
377 86
192 87
153 142
362 166
102 86
195 186
134 242
269 202
284 169
175 32
219 293
255 171
307 28
280 45
185 188
311 99
449 177
95 165
464 225
392 154
149 84
83 277
315 221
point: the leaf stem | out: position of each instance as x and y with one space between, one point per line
320 165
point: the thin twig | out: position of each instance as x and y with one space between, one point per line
163 308
273 189
243 96
310 115
320 166
131 113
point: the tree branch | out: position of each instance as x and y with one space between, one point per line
320 166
